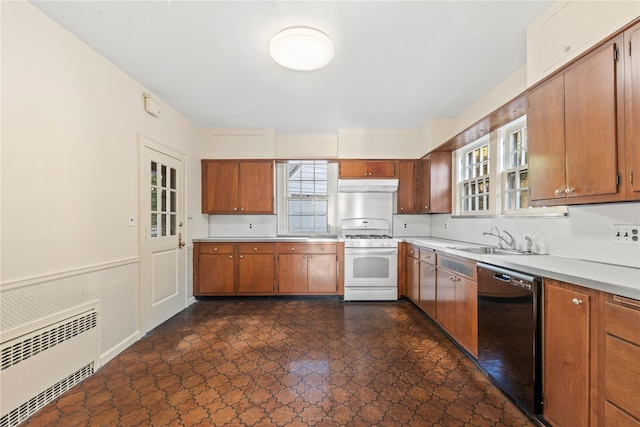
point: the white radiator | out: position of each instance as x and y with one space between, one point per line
41 365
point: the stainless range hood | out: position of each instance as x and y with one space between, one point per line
370 185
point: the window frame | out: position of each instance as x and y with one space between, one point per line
461 166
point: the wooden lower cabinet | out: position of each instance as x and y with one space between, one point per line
619 361
307 268
256 269
457 300
570 354
214 269
413 274
428 295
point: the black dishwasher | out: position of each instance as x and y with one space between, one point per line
509 334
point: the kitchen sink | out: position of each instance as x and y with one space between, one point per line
491 250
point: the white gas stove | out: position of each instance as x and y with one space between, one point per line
370 260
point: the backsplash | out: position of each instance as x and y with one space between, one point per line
587 233
243 225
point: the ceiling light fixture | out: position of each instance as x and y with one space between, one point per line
301 48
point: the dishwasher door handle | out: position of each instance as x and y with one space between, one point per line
502 276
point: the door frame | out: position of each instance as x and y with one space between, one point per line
144 142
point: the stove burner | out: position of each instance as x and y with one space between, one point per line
367 236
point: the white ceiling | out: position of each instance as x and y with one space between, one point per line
397 65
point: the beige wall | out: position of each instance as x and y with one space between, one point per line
69 156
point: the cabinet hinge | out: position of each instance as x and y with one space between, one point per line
618 179
631 177
616 53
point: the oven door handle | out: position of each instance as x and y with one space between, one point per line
371 251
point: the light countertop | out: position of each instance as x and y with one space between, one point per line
615 279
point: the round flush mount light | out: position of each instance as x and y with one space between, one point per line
301 48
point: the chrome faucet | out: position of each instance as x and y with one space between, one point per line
511 242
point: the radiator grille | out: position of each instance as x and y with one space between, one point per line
458 267
36 403
19 351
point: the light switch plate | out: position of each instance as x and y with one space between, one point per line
626 234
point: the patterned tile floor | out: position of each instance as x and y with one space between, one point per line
288 363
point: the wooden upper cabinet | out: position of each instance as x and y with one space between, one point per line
407 187
367 169
632 111
576 149
244 187
435 183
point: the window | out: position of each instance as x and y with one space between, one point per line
307 196
489 184
515 172
474 177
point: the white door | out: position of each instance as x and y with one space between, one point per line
162 241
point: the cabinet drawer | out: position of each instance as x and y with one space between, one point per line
428 256
216 248
622 374
256 248
622 320
307 248
413 251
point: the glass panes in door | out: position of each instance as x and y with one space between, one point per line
516 189
164 206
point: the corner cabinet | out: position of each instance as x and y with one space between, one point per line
435 183
367 169
237 187
575 131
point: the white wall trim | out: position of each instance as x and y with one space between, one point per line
65 274
122 346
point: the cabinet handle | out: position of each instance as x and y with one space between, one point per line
370 174
255 249
309 256
215 249
576 301
569 190
401 208
241 256
365 174
241 209
230 256
451 278
293 249
558 192
235 209
426 206
304 256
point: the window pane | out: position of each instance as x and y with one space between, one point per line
321 224
163 176
524 180
172 179
511 181
172 203
163 225
154 225
154 200
524 199
154 173
172 226
163 200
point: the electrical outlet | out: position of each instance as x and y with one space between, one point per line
626 234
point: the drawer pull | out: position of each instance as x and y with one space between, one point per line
576 301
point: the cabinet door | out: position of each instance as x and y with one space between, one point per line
381 169
256 187
466 301
216 274
440 182
592 99
445 304
545 140
567 320
425 185
413 279
256 273
292 273
632 111
428 288
406 196
353 169
219 186
322 273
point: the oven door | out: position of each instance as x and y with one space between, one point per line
371 267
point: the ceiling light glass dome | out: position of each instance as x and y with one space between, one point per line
301 48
